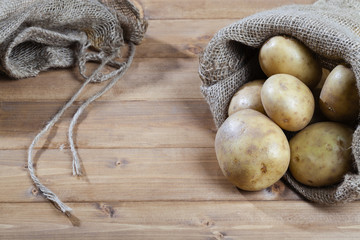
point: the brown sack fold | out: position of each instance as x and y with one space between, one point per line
330 28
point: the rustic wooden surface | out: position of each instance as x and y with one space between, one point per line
147 149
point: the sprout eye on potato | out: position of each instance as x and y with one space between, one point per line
287 55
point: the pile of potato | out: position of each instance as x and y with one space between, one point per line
300 118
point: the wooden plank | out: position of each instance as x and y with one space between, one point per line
213 9
179 220
124 124
147 79
179 38
127 175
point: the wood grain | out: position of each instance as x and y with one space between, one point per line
147 79
210 9
111 124
182 220
163 174
181 38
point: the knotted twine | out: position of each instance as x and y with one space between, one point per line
330 28
37 35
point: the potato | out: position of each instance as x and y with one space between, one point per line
324 75
321 154
252 151
248 96
318 115
339 99
282 54
287 101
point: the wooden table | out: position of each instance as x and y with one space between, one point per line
147 147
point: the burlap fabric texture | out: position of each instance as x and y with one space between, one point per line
330 28
37 35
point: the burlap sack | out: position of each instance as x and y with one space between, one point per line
37 35
330 28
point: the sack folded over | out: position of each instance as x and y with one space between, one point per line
330 28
